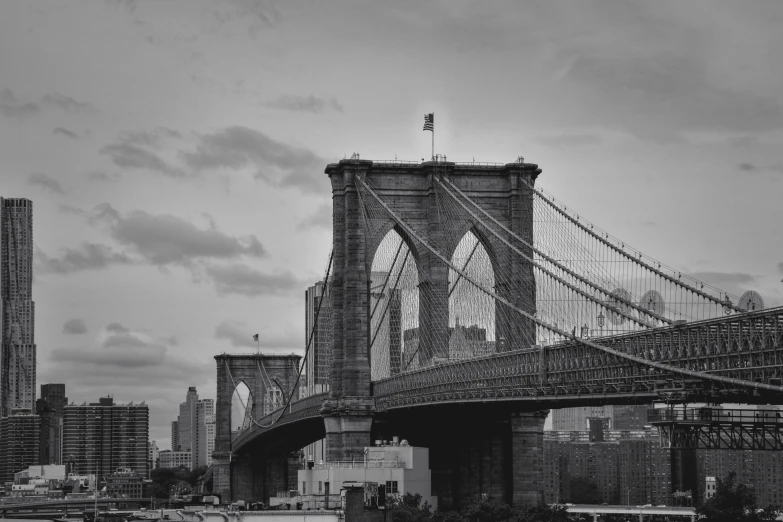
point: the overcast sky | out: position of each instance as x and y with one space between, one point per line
175 149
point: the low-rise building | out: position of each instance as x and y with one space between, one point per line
175 459
124 483
710 486
401 469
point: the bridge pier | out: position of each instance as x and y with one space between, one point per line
261 475
348 423
527 448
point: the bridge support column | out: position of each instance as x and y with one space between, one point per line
221 475
348 431
527 449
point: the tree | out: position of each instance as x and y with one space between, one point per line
584 491
164 478
408 508
733 503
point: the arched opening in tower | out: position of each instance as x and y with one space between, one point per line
471 311
241 407
394 308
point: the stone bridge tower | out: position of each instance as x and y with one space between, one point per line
502 190
270 379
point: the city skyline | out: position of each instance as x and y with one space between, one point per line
177 168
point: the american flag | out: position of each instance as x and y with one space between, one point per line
429 122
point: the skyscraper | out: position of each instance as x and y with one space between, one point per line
319 358
50 408
186 421
205 433
17 310
621 417
194 429
103 436
19 436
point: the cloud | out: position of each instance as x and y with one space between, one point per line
275 162
118 346
140 150
65 132
74 327
321 218
130 156
569 140
88 256
99 176
768 171
166 239
290 102
241 336
11 107
42 180
67 103
244 280
235 332
735 283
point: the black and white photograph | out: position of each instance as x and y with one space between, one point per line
391 260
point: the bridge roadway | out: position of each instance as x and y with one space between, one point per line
746 347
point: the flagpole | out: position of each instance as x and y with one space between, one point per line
433 142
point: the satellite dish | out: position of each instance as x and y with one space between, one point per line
652 300
618 306
750 301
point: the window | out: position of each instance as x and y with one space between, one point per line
320 487
391 487
304 488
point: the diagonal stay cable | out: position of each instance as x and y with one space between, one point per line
553 262
388 301
388 276
631 258
307 351
563 333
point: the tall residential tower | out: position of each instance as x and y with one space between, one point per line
17 310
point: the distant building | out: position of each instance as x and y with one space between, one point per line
48 472
50 408
19 438
319 358
465 342
17 309
386 325
205 433
621 418
627 467
761 471
176 459
54 395
710 487
187 419
124 483
195 429
103 436
154 455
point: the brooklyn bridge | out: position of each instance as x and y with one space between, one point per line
461 303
